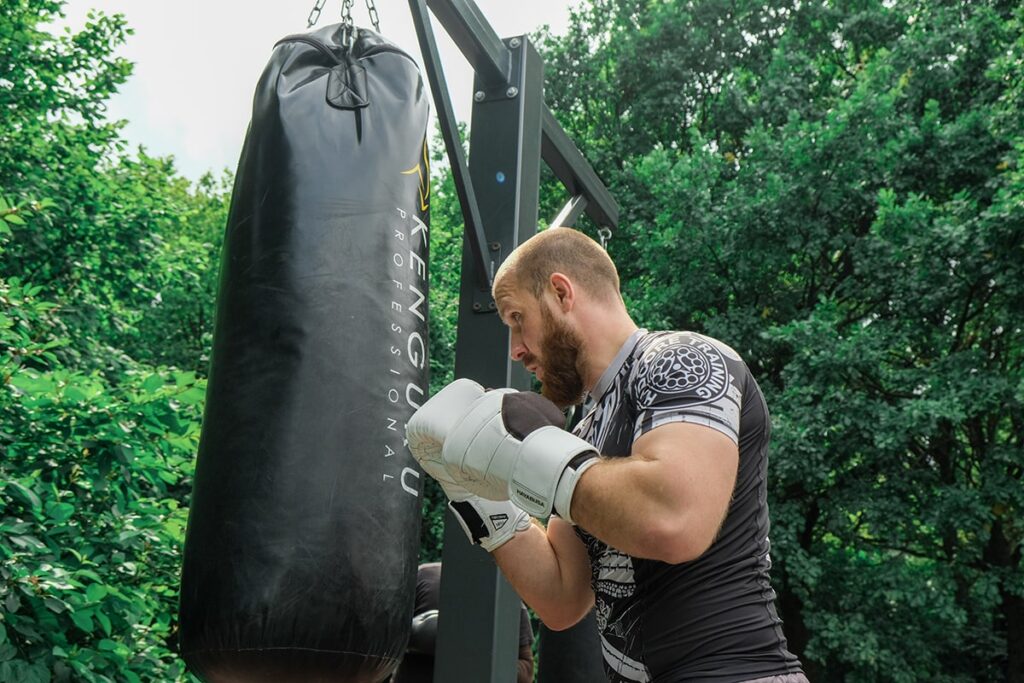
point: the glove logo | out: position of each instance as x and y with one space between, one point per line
498 521
683 367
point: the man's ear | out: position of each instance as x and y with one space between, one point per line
565 291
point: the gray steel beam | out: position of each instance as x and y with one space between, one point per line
512 131
571 167
491 60
566 218
472 225
468 27
478 627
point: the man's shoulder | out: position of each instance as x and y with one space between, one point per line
682 371
684 355
659 343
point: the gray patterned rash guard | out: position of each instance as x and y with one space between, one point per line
714 618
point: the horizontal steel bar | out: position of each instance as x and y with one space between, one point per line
576 173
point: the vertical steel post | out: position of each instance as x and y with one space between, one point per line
478 628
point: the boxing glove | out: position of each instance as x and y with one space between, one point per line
487 523
510 445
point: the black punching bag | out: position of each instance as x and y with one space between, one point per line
300 555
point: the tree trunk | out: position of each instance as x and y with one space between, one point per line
1013 613
1001 554
791 607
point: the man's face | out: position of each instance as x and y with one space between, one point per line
544 343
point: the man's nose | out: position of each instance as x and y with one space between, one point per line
517 350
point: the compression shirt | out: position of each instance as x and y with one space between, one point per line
713 618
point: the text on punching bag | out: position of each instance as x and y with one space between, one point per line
407 344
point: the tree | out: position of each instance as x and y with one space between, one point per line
91 521
105 247
833 188
105 294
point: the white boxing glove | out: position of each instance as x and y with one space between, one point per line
487 523
510 445
430 424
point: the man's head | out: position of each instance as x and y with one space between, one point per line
549 291
566 251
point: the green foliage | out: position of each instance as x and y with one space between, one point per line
170 297
834 188
90 518
123 236
106 294
445 269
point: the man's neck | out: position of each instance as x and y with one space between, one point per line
604 340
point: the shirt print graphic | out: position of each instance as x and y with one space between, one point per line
616 611
683 377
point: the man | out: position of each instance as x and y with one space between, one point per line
660 517
417 665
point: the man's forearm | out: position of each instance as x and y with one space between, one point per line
550 572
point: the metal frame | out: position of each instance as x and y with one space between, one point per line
512 131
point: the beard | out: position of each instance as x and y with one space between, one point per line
562 383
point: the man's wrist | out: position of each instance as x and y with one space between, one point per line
487 523
568 482
544 459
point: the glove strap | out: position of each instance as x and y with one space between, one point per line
487 523
567 484
544 456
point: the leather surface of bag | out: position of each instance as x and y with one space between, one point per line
301 548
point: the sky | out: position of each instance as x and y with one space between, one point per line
197 63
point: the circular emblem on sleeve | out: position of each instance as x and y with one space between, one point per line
682 367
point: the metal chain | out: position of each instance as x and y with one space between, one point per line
604 233
346 17
374 18
314 15
348 27
346 12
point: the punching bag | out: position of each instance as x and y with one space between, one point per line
302 540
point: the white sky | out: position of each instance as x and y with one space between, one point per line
197 63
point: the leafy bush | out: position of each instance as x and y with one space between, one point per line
91 522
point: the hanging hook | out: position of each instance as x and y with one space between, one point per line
604 234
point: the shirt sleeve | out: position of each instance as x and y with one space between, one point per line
687 377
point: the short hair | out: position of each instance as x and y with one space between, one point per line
567 251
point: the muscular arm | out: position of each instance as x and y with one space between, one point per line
550 571
664 502
667 500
